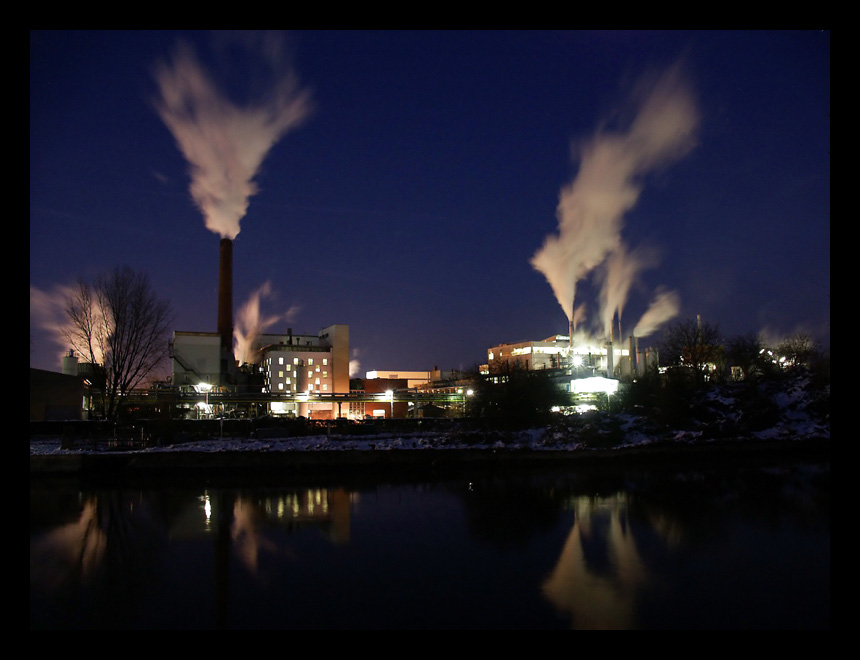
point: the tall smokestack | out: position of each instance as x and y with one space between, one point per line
225 304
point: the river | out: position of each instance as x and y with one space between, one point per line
537 547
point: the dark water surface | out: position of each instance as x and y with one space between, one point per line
532 548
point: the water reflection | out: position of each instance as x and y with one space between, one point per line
680 549
600 571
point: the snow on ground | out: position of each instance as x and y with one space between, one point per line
790 411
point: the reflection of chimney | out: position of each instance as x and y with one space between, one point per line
225 304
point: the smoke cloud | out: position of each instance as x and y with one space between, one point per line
223 142
592 208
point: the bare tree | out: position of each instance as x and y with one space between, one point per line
796 350
748 353
120 325
692 345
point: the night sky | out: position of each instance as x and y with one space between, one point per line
438 192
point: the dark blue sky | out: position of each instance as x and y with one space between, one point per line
424 171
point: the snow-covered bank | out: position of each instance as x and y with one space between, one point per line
786 412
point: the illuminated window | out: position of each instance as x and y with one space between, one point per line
310 361
325 386
295 360
317 369
325 374
280 386
325 361
280 374
280 360
317 381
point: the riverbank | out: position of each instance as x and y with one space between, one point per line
249 463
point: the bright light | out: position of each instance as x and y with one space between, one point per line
202 388
593 385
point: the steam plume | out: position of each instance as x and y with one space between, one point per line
592 207
48 312
251 323
664 307
620 270
354 364
225 144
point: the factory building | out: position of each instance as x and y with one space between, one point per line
583 359
287 364
301 368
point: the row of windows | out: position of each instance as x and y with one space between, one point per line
323 374
296 361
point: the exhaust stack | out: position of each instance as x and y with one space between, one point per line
225 306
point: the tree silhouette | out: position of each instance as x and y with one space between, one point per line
118 325
692 346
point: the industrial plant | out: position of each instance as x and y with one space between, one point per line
308 375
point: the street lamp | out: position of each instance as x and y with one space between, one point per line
463 394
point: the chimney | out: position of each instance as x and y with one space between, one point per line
225 305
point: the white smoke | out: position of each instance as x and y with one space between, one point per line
619 272
225 143
48 314
354 364
592 207
663 308
251 323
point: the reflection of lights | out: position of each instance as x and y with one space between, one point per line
207 507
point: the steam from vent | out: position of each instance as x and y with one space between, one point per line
223 142
48 312
251 323
354 364
592 208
